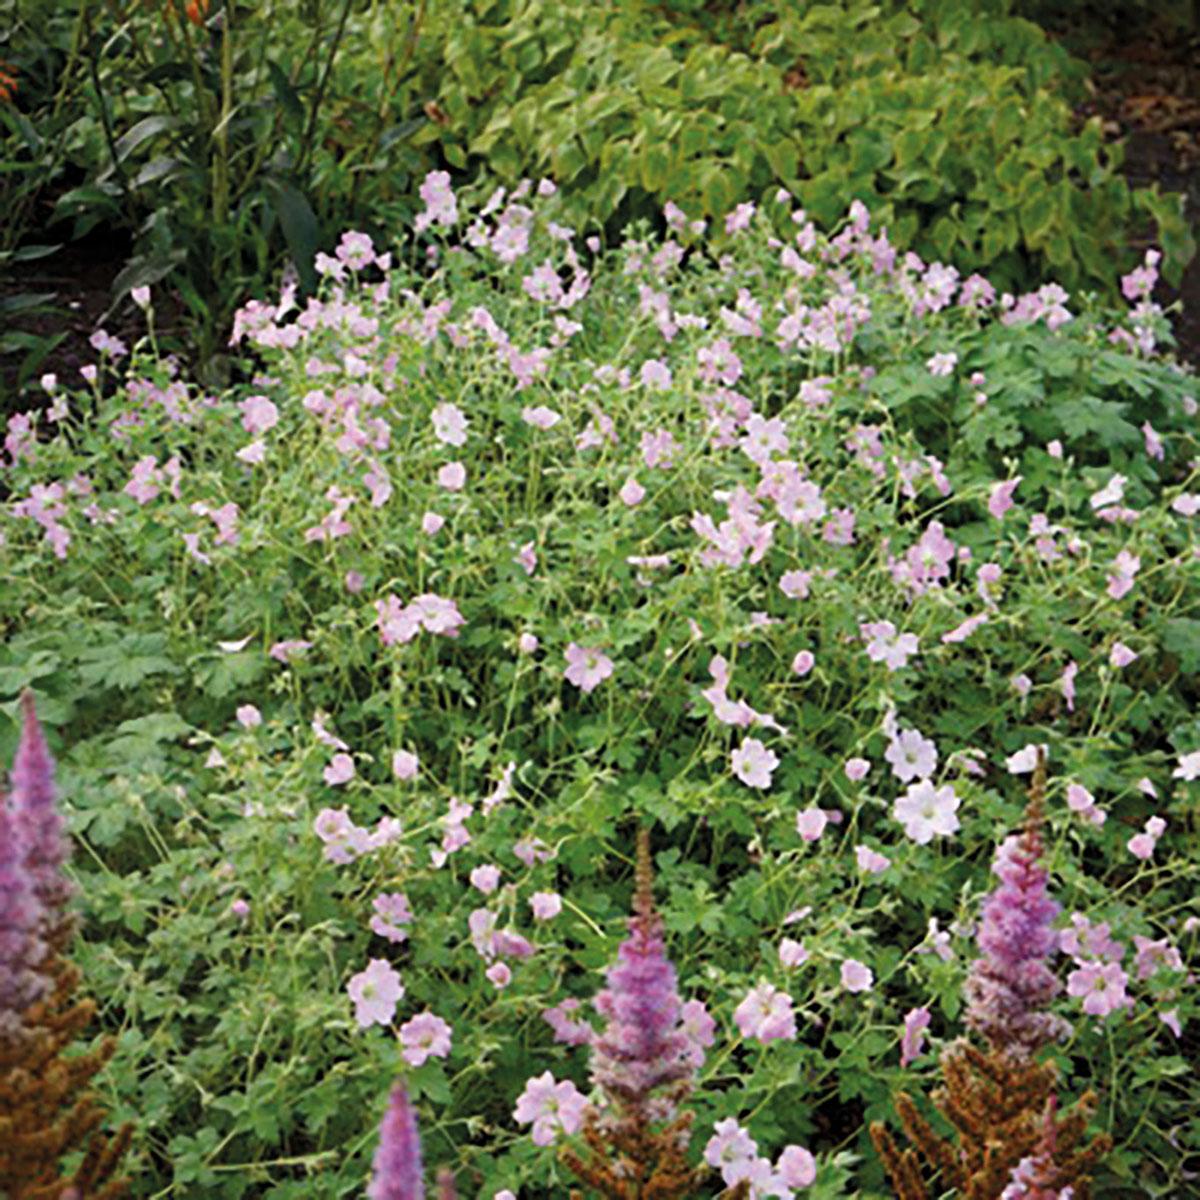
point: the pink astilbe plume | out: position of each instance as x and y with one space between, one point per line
39 824
48 1114
1007 1140
21 949
397 1172
645 1063
1010 987
644 1046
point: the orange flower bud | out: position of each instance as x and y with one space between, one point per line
8 81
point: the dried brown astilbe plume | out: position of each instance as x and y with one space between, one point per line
46 1109
1000 1102
645 1065
996 1105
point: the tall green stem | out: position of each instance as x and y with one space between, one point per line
221 133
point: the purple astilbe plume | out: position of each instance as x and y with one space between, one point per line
38 820
397 1172
644 1046
1010 987
21 949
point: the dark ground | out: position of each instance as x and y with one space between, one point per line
1147 90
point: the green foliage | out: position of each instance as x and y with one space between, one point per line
196 762
221 142
955 128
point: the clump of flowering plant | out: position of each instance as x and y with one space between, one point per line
47 1112
644 1064
1001 1102
791 544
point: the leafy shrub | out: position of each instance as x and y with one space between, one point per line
952 126
487 566
221 134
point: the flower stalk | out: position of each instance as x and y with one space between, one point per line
1001 1102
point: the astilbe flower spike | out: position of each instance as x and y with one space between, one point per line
645 1065
38 819
46 1112
1011 985
21 947
1001 1103
397 1172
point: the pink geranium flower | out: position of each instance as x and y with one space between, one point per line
248 716
1121 655
404 764
856 976
449 424
540 416
887 646
340 770
912 755
631 492
856 769
810 823
796 1167
553 1108
753 763
526 558
424 1036
1189 767
391 913
546 905
916 1021
375 991
766 1015
871 860
792 953
452 476
1120 581
1001 499
927 811
1101 987
586 668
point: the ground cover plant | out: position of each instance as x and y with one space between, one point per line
788 548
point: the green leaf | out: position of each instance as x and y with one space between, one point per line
145 269
1037 213
299 225
143 131
783 157
159 170
1181 637
26 302
1090 418
100 195
29 253
654 166
293 109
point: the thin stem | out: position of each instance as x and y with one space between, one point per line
311 131
106 122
